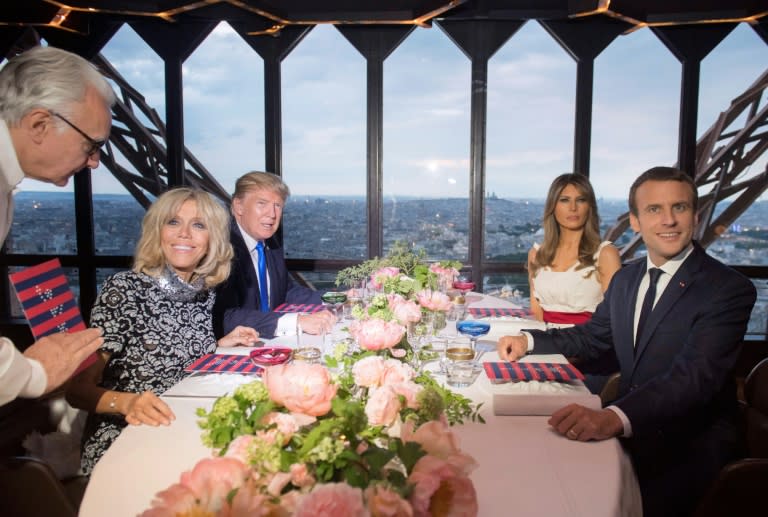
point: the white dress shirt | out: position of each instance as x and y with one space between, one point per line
19 376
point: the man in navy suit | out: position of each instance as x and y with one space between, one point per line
676 410
257 206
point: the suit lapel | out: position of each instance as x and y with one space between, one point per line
678 285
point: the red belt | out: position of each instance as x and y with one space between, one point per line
567 317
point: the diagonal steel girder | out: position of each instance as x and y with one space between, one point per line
142 142
724 156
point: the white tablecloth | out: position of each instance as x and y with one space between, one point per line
524 467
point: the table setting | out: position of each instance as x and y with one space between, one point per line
397 421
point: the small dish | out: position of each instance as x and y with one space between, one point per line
270 356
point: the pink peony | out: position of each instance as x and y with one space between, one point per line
333 499
383 406
300 476
409 390
438 440
251 502
238 448
379 277
377 334
368 371
203 489
383 502
405 311
286 425
434 300
300 387
396 372
441 489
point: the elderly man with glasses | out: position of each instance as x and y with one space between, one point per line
56 114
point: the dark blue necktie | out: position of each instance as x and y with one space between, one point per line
262 263
650 296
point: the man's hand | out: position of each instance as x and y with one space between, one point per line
61 354
147 408
317 323
576 422
245 336
511 348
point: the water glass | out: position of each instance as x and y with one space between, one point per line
461 374
309 347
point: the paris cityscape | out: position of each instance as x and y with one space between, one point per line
335 228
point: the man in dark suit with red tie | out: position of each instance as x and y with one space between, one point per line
259 280
676 409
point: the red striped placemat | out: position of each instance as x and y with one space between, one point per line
518 371
224 363
299 307
490 312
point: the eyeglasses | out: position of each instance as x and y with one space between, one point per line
93 145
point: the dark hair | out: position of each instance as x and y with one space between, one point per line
662 174
590 239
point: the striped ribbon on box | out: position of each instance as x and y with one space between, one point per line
47 300
492 312
224 363
299 307
532 372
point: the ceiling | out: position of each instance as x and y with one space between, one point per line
271 16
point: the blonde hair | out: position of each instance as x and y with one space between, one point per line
256 180
590 238
215 265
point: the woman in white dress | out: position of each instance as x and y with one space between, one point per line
571 269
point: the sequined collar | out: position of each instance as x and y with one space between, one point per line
177 289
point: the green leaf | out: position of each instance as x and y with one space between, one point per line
376 458
410 453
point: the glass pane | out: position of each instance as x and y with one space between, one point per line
531 81
732 67
635 114
43 220
224 106
324 151
426 146
758 323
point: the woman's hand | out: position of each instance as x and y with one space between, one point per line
245 336
146 408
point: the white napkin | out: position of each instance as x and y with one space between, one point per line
539 397
208 385
508 326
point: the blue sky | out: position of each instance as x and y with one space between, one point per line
426 104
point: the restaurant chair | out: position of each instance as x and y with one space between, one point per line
756 410
610 391
30 488
739 490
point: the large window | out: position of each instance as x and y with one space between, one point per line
426 145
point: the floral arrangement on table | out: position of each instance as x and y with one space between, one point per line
368 435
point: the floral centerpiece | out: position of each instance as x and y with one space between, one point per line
365 436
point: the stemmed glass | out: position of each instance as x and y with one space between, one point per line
417 333
464 283
336 300
473 329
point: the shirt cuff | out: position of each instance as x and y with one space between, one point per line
529 339
286 325
38 380
624 420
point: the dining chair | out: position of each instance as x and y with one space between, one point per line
30 488
738 490
756 410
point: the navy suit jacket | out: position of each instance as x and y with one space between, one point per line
677 388
237 299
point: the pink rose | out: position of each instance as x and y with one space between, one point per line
238 448
286 425
383 502
396 372
300 475
383 406
441 489
368 371
333 499
300 387
250 501
437 439
203 489
379 277
405 311
277 482
434 300
377 334
409 390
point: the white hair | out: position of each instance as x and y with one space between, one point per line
49 78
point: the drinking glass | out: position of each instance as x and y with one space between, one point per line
308 346
336 301
473 329
464 283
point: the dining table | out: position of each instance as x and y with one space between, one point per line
524 466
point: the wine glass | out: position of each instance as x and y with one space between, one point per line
464 283
473 329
